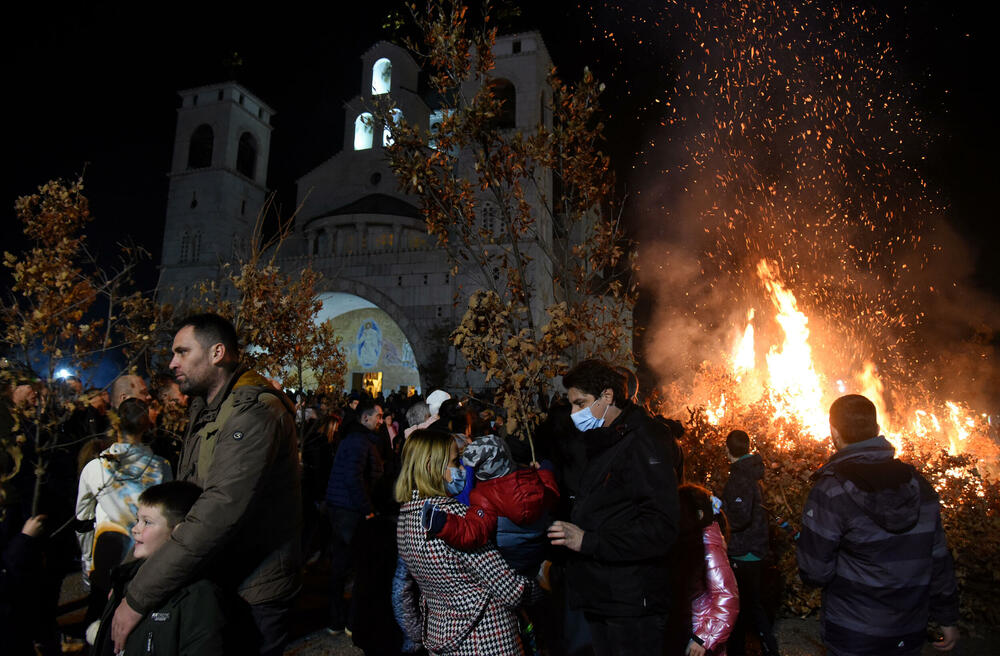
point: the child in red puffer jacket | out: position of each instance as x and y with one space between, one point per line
507 503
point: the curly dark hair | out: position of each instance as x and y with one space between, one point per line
594 376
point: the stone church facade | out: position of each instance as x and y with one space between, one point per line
389 288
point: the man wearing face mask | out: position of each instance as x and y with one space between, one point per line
624 518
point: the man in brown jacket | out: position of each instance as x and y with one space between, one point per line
243 531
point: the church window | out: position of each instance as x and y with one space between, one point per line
489 215
381 77
200 149
434 125
503 90
322 246
185 247
196 246
363 132
246 155
387 140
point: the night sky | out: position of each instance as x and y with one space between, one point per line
93 86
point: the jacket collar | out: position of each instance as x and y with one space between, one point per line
874 449
209 408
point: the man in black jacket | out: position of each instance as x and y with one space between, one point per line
624 516
743 501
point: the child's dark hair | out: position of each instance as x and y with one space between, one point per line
173 498
738 443
133 417
688 552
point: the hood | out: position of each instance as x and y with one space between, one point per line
750 466
490 456
885 489
123 453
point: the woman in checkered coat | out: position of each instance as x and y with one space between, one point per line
466 599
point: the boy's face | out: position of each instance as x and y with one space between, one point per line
151 531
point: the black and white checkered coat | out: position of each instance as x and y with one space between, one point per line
467 598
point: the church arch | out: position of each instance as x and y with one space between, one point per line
363 131
381 77
377 335
246 155
201 146
505 93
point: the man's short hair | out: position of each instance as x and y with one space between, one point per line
173 498
133 417
210 328
593 377
365 409
124 384
855 418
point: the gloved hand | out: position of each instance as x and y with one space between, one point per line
432 518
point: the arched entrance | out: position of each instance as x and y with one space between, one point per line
380 358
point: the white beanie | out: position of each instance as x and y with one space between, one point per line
435 399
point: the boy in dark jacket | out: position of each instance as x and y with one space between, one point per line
742 501
872 539
191 621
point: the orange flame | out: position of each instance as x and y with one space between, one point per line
795 386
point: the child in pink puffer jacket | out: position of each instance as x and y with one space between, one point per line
703 577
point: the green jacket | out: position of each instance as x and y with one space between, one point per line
191 623
243 531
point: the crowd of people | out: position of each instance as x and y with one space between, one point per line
442 534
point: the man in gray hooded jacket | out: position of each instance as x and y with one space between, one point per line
872 538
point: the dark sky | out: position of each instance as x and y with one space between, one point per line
94 85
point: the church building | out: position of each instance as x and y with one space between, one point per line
387 286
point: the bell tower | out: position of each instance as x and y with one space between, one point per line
218 183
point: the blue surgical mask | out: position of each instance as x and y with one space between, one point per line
585 419
455 486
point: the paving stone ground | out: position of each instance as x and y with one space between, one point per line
797 636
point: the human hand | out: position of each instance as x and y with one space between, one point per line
694 649
949 638
33 527
566 535
122 624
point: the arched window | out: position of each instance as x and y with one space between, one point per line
246 155
185 247
381 76
387 140
200 150
503 91
363 132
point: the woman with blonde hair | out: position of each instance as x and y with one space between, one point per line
465 601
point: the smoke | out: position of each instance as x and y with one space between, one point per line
793 137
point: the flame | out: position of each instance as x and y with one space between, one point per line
790 382
744 358
796 388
